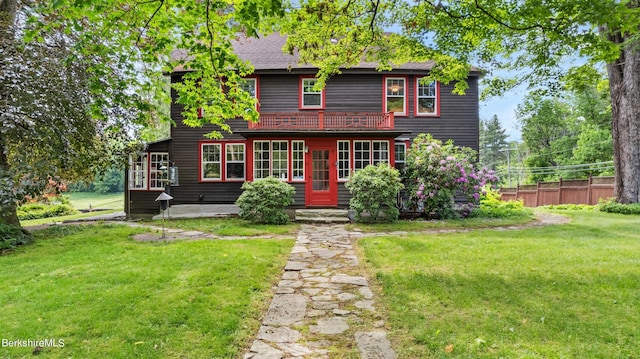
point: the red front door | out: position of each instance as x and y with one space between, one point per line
321 187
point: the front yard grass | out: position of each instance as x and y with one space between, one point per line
563 291
465 223
107 296
229 226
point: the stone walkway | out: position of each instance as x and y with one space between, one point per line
323 306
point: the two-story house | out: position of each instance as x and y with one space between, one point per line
308 138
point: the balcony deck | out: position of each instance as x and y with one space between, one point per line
321 120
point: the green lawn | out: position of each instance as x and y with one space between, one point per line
564 291
107 296
465 223
228 226
95 200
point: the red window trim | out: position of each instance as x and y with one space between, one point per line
415 100
300 95
406 94
223 161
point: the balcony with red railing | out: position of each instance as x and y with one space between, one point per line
324 121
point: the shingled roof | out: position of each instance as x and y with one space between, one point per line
265 53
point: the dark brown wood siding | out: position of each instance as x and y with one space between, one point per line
343 196
459 117
142 204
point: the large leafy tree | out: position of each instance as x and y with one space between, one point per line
538 41
58 118
545 37
568 137
549 131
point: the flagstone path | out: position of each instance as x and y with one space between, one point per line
323 304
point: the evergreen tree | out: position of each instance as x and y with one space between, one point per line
493 143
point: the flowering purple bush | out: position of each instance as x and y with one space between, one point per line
437 173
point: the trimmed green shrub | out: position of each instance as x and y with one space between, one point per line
373 189
12 236
611 206
491 206
264 201
40 210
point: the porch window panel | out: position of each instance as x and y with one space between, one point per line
297 160
380 152
361 154
344 160
400 155
211 162
158 170
280 159
138 171
261 159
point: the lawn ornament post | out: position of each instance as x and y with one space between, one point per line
164 199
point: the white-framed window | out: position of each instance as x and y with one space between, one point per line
138 171
309 97
211 162
271 158
426 98
297 160
261 159
400 155
344 160
158 170
361 154
235 168
395 98
380 152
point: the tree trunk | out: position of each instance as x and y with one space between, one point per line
8 214
624 86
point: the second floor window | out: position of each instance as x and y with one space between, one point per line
426 98
395 99
251 87
310 97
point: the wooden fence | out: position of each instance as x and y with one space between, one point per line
576 191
